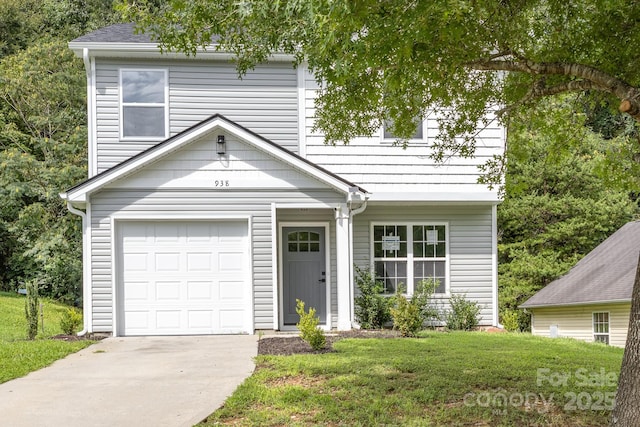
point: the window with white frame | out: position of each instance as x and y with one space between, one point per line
601 327
143 103
406 254
388 135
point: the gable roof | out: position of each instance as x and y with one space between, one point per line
79 192
121 41
116 33
606 274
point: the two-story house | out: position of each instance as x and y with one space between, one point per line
211 205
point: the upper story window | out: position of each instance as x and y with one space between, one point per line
388 135
143 103
405 254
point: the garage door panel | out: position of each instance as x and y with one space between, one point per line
200 290
200 261
231 261
168 261
231 291
201 319
231 319
182 278
168 291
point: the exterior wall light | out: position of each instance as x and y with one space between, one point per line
221 146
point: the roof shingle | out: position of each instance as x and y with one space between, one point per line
117 33
604 274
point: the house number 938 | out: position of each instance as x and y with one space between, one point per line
221 183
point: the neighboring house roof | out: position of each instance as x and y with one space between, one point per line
606 274
79 192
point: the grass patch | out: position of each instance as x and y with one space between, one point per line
18 356
440 379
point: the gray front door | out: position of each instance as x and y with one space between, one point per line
304 273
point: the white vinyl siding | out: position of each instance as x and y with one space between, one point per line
381 167
264 101
577 321
203 204
469 245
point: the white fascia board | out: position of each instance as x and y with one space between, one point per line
152 50
573 304
479 197
80 194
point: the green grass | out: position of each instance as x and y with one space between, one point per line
440 379
18 356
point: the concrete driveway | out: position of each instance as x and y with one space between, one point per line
132 381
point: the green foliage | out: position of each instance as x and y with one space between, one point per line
463 314
32 308
560 201
410 314
308 326
43 140
42 152
70 321
397 60
509 319
371 307
406 316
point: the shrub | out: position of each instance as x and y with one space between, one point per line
70 321
31 308
371 307
308 326
510 320
406 316
463 315
409 315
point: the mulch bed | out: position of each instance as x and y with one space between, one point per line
64 337
284 345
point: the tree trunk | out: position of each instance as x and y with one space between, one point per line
626 412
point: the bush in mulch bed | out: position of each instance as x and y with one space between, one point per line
285 345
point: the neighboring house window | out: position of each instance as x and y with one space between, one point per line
405 254
143 96
388 135
601 327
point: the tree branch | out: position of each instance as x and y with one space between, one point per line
590 78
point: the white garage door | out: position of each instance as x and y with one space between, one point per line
181 278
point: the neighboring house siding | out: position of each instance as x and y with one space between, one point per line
265 101
577 321
214 204
379 166
470 245
311 215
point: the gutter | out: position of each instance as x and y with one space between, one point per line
86 267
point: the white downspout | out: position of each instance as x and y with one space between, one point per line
352 213
86 268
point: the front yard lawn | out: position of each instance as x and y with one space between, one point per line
19 356
440 379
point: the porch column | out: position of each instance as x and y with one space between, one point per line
343 267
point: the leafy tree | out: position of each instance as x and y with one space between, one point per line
395 60
42 152
560 202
